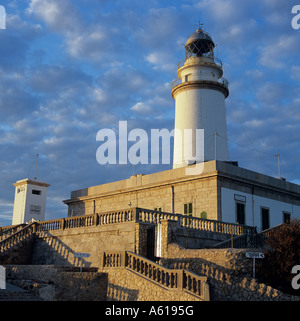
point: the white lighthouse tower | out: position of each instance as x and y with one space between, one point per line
30 201
200 94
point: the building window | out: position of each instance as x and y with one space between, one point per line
158 209
240 213
265 218
188 209
187 77
286 217
36 192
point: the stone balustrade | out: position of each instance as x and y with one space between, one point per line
144 216
89 220
18 236
169 278
9 230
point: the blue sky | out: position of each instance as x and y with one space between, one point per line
70 68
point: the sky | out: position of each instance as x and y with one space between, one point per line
71 68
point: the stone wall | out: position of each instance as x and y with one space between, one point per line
168 190
125 285
20 253
53 283
229 272
188 238
231 259
58 246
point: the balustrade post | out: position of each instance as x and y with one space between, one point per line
180 277
179 216
102 259
214 229
34 228
123 259
95 219
205 291
135 214
62 223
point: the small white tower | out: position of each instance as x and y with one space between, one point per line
30 201
200 94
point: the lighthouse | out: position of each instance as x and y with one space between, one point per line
200 92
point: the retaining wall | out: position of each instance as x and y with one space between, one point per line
229 273
52 283
125 285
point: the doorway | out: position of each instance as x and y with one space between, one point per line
151 243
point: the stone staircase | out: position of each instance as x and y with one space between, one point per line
14 293
175 281
15 244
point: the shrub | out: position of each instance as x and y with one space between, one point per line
283 252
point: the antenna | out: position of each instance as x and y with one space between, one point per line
278 156
37 155
200 25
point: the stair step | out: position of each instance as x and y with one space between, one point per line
75 269
15 293
17 296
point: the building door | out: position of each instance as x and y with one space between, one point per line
265 218
240 213
150 243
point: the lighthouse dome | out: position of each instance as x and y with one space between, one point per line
199 43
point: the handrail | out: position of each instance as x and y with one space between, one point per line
18 236
239 241
216 61
184 221
145 216
177 82
9 230
109 217
254 240
170 278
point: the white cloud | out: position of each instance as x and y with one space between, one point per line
59 15
276 53
226 12
295 73
88 44
141 108
161 60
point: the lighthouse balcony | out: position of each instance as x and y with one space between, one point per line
201 60
222 81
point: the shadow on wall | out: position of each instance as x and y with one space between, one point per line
119 293
49 250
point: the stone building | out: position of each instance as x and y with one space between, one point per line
223 192
220 190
